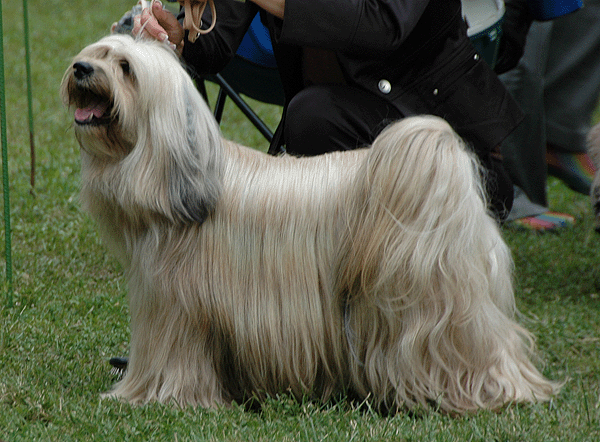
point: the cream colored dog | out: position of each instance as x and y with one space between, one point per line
376 273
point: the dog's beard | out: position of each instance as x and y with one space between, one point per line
97 118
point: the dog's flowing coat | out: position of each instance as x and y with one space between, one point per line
376 272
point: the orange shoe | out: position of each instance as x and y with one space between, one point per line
545 222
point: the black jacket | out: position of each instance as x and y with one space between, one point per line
414 53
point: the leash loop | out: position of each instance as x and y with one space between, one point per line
192 21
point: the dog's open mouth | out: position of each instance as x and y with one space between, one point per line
93 110
95 113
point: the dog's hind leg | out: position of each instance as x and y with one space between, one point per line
431 303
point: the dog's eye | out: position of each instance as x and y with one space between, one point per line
124 66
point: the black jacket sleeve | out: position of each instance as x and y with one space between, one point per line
211 52
358 27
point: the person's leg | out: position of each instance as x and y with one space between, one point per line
327 118
524 150
573 77
571 94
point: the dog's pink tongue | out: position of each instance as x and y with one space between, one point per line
94 110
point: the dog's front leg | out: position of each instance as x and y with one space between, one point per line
172 355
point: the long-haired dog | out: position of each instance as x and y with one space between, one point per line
376 274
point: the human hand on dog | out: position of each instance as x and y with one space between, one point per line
159 24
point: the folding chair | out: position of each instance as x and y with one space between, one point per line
253 73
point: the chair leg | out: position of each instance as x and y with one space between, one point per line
220 104
243 106
201 87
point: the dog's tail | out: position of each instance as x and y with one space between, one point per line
430 302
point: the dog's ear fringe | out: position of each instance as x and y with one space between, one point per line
187 204
194 181
178 156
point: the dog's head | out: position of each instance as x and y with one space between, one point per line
136 108
101 86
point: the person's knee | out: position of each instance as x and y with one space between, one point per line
310 122
328 118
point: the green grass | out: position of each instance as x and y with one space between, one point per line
70 313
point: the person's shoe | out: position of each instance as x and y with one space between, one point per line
545 222
576 170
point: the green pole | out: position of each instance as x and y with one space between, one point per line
29 92
3 139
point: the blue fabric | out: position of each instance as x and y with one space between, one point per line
551 9
256 46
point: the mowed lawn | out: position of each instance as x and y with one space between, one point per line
69 312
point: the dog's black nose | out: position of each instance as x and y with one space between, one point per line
82 69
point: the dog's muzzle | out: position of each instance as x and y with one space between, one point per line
92 108
82 70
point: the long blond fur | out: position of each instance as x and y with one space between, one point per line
376 273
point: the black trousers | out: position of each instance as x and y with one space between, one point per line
328 118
